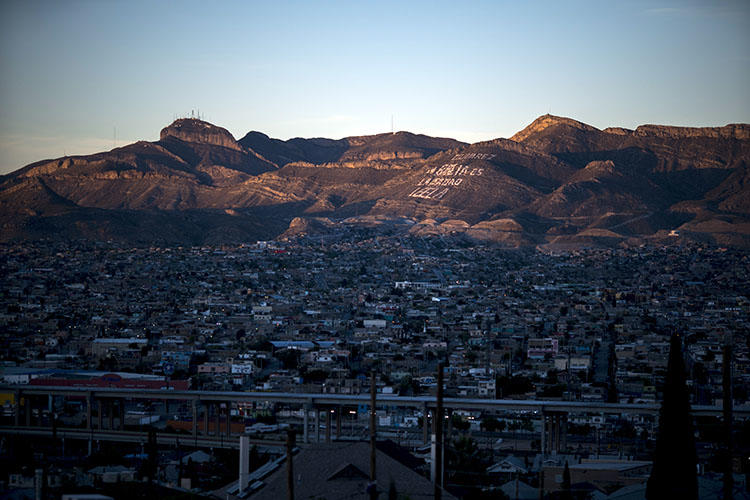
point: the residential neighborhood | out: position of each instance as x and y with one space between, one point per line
318 317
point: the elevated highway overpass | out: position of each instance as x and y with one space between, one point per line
210 416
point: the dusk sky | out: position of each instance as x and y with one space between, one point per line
73 72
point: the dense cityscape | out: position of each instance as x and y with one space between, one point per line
318 317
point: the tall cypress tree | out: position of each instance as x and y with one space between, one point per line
567 493
727 390
674 471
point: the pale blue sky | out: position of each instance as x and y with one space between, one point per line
72 72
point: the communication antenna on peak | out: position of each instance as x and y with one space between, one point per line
393 131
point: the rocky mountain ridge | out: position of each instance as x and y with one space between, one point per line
558 182
198 131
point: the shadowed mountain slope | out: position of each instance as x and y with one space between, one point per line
557 182
384 147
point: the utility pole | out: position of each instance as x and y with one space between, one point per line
439 435
289 465
373 486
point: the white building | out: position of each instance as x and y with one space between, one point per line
243 367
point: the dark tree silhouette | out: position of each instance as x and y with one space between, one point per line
728 483
566 492
674 470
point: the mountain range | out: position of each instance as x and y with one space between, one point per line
558 183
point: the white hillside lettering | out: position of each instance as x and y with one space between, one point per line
448 176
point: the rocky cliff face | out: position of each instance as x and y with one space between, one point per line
198 131
739 131
558 182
